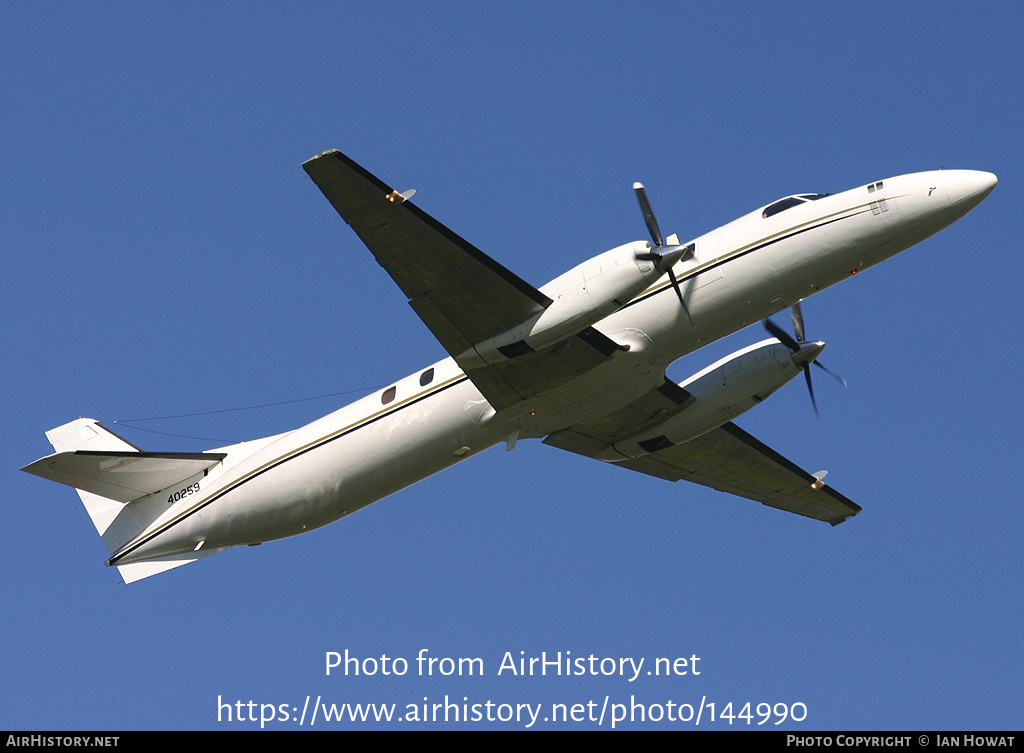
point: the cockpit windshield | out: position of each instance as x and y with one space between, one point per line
789 202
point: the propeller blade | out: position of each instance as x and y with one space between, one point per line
645 207
798 321
794 345
679 292
664 257
675 286
810 389
781 335
831 373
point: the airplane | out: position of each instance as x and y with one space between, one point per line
580 363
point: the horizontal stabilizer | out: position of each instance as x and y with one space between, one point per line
123 476
139 570
113 477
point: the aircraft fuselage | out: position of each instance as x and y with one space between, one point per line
738 274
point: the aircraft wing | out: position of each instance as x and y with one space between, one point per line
460 293
726 458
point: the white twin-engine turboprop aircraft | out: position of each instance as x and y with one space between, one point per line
580 362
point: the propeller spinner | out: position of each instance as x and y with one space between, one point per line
804 353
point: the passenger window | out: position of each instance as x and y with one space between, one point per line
426 377
389 395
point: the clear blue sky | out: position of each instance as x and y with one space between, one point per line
164 253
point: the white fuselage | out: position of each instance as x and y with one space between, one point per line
739 274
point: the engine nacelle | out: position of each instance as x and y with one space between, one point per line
721 392
583 296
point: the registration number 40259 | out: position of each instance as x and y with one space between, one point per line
182 493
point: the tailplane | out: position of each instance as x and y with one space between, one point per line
119 485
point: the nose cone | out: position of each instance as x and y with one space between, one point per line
967 188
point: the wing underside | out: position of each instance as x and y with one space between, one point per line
460 293
727 458
464 296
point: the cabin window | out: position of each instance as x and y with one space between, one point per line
876 186
426 377
388 395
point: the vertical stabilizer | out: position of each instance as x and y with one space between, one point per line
88 434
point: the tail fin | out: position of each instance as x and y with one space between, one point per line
87 434
116 481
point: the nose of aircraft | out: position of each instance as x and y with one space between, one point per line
967 188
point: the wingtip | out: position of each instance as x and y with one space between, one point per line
315 157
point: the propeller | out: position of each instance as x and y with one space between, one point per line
804 353
664 257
